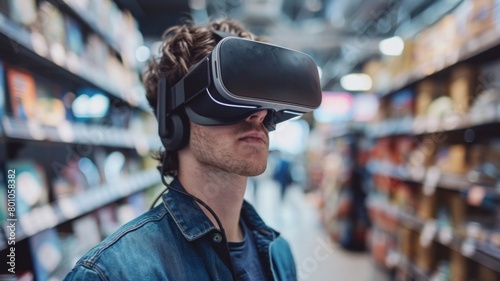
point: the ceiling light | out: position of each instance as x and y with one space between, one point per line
142 53
356 82
393 46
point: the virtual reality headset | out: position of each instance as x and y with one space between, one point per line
240 77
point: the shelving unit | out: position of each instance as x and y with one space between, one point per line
66 209
470 50
81 172
434 188
18 43
78 133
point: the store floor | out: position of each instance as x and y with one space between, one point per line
298 221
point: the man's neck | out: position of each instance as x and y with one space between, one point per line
221 191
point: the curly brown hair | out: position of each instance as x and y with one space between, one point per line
182 47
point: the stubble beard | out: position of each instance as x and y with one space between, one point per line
218 158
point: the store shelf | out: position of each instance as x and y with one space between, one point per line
471 49
346 129
423 176
16 43
417 273
63 210
18 34
390 128
85 18
422 125
481 252
78 133
387 169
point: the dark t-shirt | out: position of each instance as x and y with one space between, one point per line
245 258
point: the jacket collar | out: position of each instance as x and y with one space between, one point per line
193 223
186 213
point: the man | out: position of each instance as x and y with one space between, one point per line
203 230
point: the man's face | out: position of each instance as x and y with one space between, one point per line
240 148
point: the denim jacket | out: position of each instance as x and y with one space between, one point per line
176 241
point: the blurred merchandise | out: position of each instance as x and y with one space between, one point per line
22 91
32 190
76 128
46 252
2 89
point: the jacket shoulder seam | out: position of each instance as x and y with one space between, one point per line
92 260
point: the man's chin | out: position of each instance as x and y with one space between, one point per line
254 172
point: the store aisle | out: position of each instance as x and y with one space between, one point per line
316 257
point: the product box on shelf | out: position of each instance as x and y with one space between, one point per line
373 68
486 169
458 208
46 253
405 197
50 109
489 75
32 190
423 55
462 87
443 36
425 257
440 109
422 156
69 179
75 44
402 104
486 103
52 28
402 150
452 159
482 17
2 89
22 90
425 94
407 59
87 232
458 267
427 206
407 238
108 221
23 12
3 198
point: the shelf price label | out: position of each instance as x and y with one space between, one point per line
431 180
453 121
428 233
433 124
68 208
445 235
35 130
419 124
65 132
468 247
416 172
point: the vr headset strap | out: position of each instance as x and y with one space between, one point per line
191 85
161 107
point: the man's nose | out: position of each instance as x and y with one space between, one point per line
257 117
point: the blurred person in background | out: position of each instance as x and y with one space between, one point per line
178 239
282 173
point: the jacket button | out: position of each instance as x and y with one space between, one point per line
217 238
